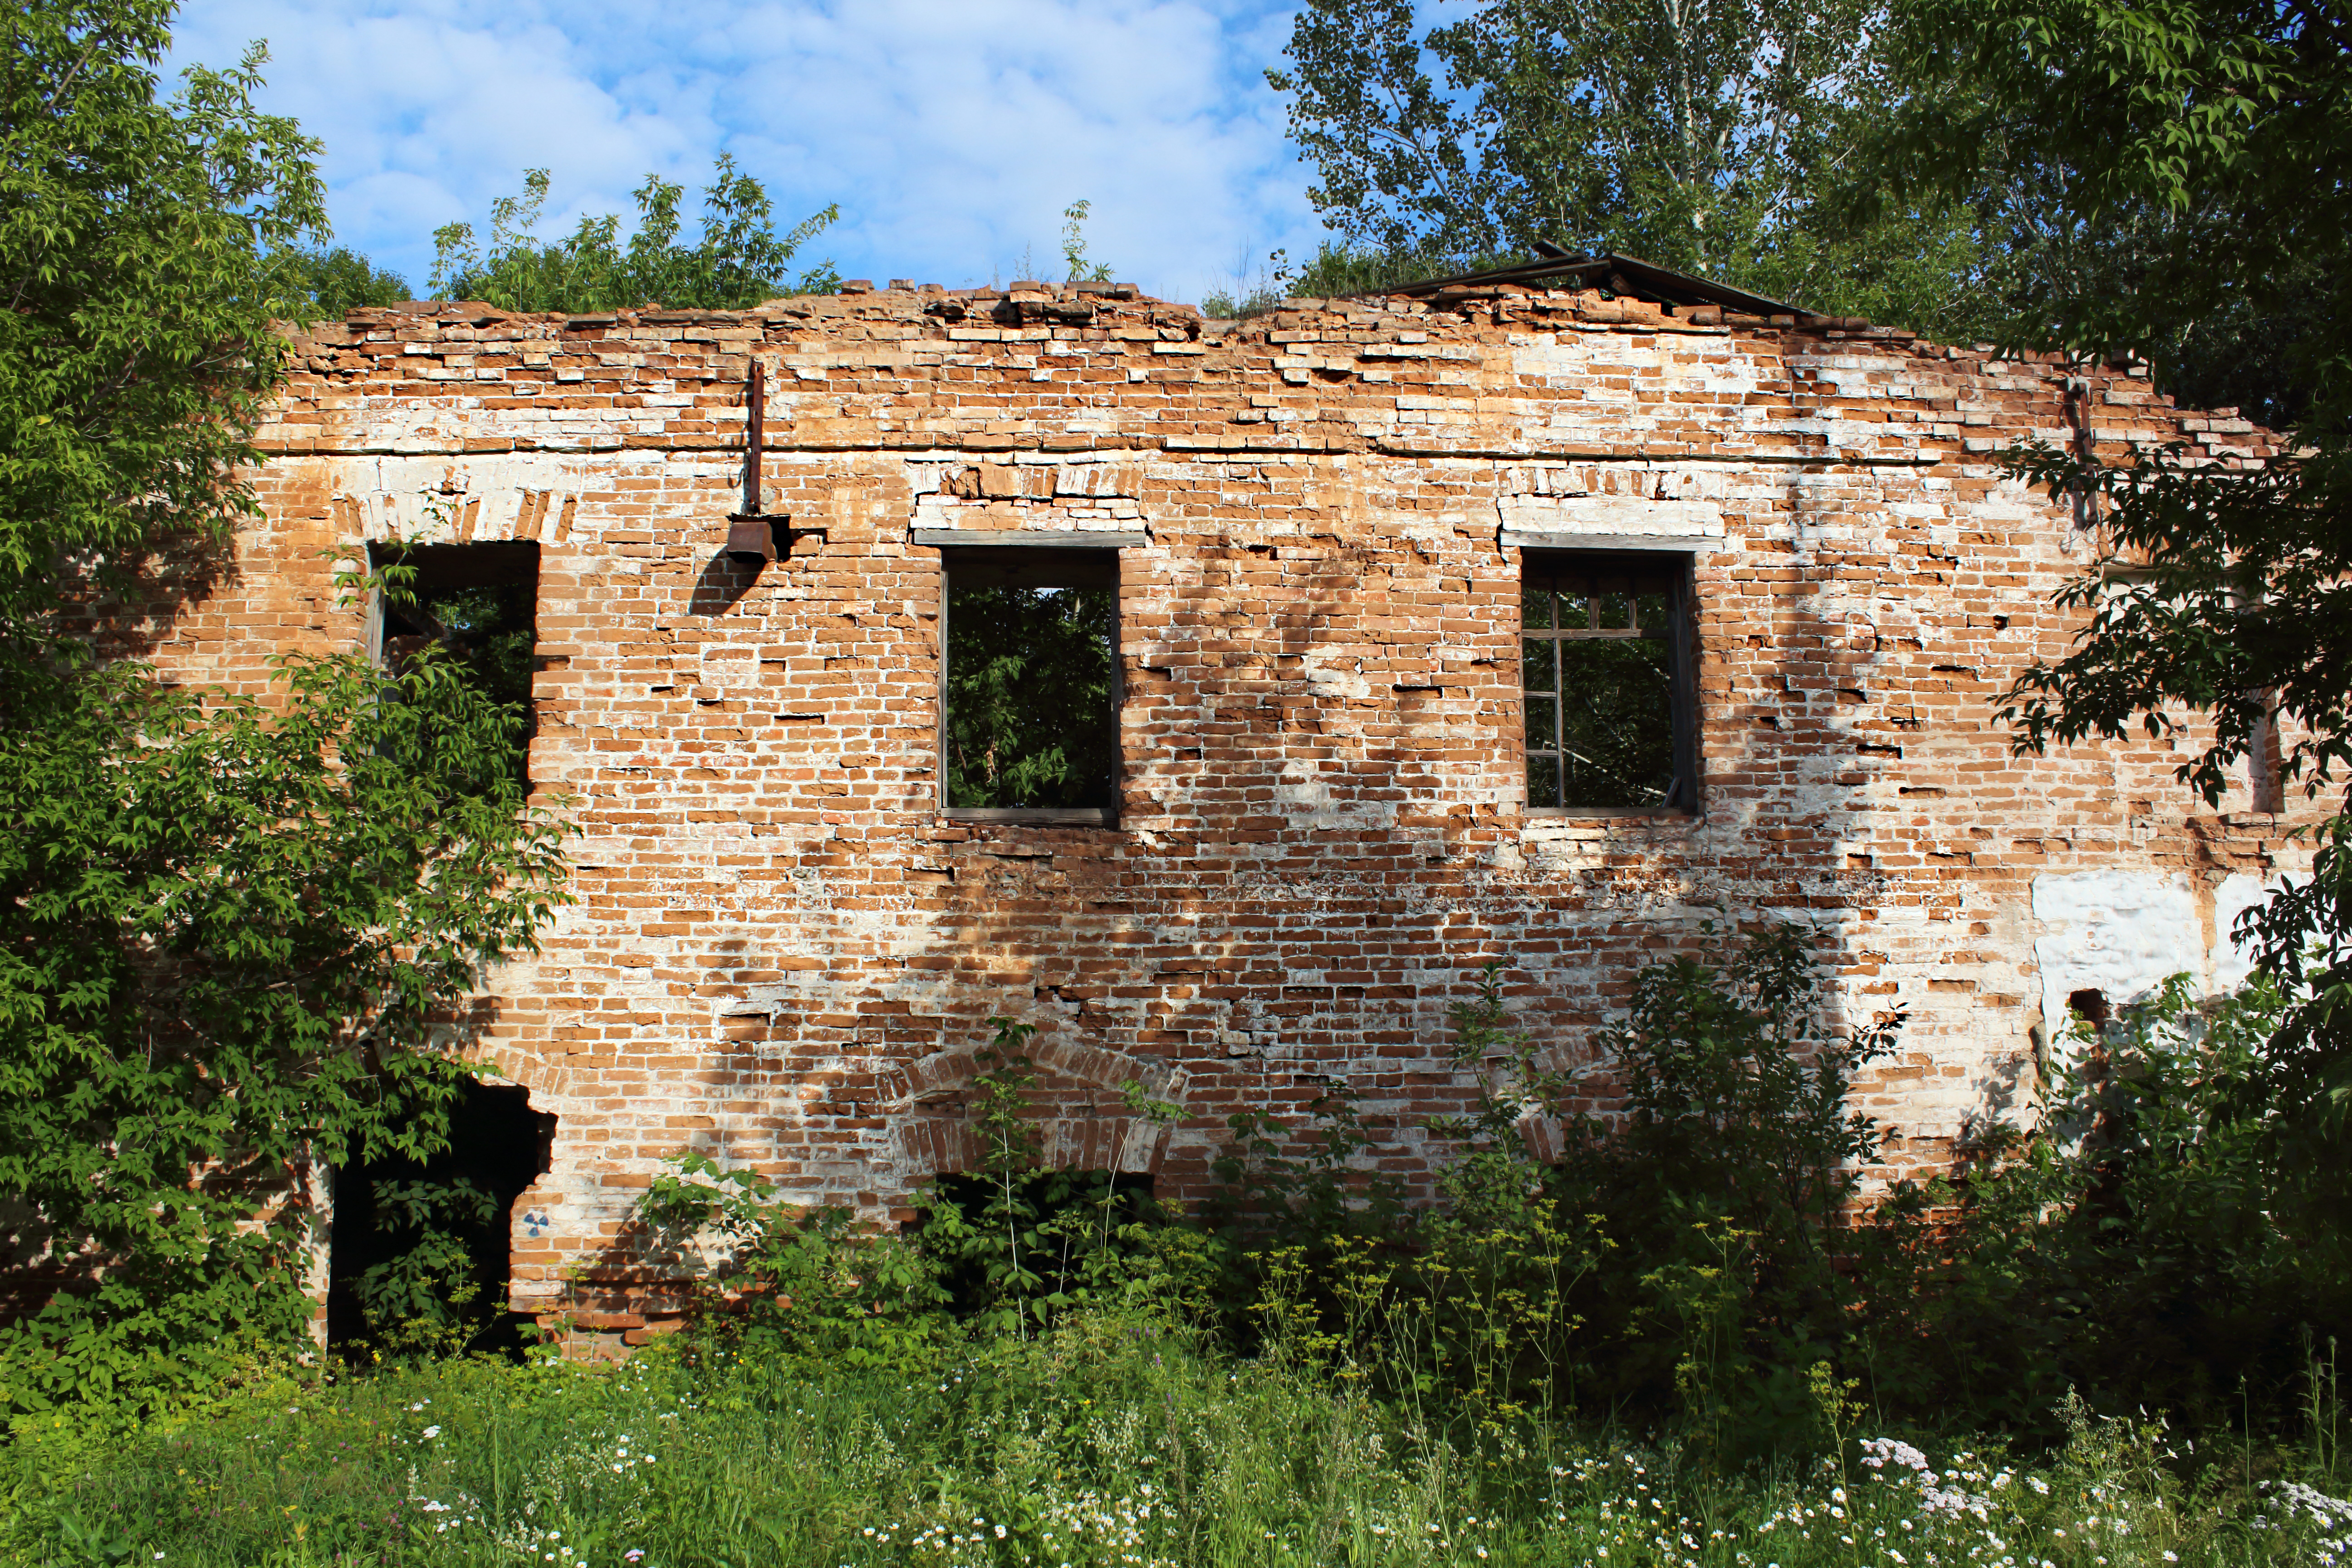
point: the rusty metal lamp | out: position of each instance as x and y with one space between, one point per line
750 533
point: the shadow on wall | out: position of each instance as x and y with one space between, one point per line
817 1105
1254 960
1884 771
171 583
1262 978
1143 961
722 585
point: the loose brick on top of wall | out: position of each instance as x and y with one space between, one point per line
784 953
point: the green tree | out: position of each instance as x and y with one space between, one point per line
2196 143
1696 133
2194 164
1030 716
135 356
740 260
336 283
226 931
228 926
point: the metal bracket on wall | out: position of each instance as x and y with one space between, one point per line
751 534
761 537
755 536
2086 462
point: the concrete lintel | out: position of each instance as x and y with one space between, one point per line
1046 538
1681 544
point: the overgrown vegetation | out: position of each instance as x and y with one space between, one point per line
739 262
2155 1245
1698 1263
327 284
1043 1371
1083 268
2195 157
1673 1344
1114 1439
230 926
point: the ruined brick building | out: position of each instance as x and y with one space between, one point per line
1359 553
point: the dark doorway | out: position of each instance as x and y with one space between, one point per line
384 1213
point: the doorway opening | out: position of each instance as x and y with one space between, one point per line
422 1245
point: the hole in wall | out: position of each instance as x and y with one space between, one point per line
1099 1202
497 1145
2091 1006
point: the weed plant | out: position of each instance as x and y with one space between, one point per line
1052 1369
2149 1239
1690 1261
1115 1436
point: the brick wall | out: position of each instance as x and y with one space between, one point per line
783 952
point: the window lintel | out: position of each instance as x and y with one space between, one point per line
1574 544
1026 539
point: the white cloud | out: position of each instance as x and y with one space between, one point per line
952 134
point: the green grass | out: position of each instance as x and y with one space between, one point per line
1111 1441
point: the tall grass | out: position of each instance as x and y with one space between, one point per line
1662 1351
1111 1439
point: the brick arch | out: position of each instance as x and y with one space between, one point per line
934 1135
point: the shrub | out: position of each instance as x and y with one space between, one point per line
1727 1184
1007 1251
2133 1247
1702 1256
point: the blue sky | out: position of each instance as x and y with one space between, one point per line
951 132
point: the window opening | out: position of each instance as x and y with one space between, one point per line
480 601
439 1228
2266 760
1604 683
1030 684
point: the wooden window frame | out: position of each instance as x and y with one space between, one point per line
1671 569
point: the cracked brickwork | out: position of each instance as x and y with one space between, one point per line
783 952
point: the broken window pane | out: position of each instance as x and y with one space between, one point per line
1543 777
1617 745
1606 723
1031 677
